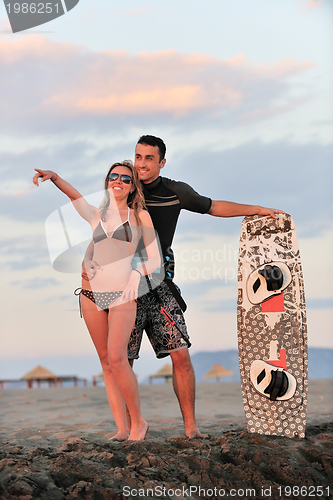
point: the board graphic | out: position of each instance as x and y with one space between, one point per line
272 330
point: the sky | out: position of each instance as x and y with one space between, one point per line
240 91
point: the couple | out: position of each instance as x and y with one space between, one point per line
114 314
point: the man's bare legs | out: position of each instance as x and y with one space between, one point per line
183 379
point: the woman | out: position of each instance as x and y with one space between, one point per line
108 301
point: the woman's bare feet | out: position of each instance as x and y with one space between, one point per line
139 433
119 437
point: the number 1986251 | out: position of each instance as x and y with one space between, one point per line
304 491
33 8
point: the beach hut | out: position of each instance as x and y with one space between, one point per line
217 371
39 374
165 372
98 378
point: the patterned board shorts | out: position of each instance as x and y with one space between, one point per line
163 336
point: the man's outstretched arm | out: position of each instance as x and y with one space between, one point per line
230 209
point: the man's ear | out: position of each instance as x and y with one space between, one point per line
163 162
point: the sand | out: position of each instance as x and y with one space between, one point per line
54 445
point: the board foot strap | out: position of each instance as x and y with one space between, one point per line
278 385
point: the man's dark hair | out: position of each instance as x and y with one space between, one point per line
151 140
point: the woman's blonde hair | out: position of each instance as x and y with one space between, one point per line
135 199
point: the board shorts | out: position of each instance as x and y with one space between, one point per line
163 336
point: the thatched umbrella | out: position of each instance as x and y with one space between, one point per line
98 378
165 371
217 371
39 373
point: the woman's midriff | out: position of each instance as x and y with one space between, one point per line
115 260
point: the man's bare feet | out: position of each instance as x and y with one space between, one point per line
193 432
196 435
139 433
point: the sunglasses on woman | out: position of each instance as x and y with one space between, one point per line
126 179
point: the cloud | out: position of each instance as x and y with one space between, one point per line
5 26
311 4
36 283
294 177
23 252
52 84
139 11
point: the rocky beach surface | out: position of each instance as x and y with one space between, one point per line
55 444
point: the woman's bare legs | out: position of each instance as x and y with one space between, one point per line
121 322
98 326
110 334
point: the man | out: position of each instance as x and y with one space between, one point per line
165 199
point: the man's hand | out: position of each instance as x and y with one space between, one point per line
89 269
270 211
230 209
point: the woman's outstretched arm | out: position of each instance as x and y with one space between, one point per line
87 212
64 186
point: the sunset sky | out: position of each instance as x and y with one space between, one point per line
241 92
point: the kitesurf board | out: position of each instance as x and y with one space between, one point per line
272 332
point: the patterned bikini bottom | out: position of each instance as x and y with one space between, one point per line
102 299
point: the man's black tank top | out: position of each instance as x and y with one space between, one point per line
165 199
